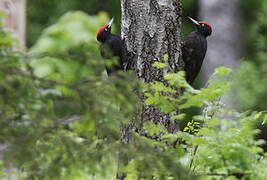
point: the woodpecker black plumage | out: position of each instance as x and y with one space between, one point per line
112 46
194 49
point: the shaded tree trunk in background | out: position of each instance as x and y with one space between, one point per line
15 21
225 43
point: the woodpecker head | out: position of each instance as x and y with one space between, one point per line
104 31
202 27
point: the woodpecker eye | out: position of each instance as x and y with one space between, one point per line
106 29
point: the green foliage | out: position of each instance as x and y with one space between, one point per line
223 149
249 86
154 129
159 65
43 13
74 36
235 151
2 174
190 8
61 116
251 78
265 119
192 127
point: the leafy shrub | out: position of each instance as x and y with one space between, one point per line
61 116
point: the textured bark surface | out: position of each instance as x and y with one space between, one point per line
225 43
151 29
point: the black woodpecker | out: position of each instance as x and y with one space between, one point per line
112 46
194 49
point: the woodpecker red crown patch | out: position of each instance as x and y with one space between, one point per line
203 22
100 31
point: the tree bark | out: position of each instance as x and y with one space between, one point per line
151 29
225 43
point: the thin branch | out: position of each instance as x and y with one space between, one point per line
55 55
74 86
11 71
69 120
193 158
228 174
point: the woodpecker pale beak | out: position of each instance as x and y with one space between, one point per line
194 21
110 22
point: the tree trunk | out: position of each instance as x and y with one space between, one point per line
15 20
151 29
15 23
225 43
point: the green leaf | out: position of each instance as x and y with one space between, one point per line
178 117
166 57
258 115
149 101
154 129
159 65
213 122
264 119
222 71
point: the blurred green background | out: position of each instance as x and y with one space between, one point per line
60 113
41 13
251 90
250 79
